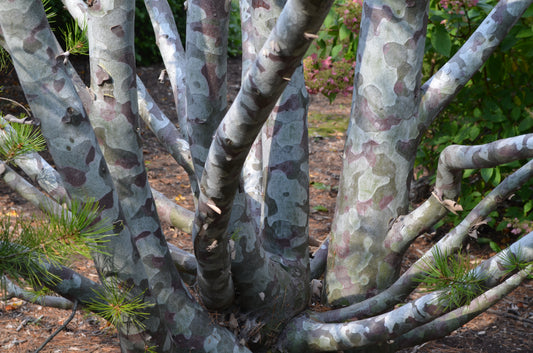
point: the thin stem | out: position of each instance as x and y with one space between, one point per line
16 103
62 327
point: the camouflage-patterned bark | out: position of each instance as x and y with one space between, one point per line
390 111
264 83
408 321
166 132
379 152
251 220
451 243
206 55
28 191
66 127
268 267
168 40
115 113
11 290
53 99
448 323
438 91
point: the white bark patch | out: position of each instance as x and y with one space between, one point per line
368 183
199 82
367 243
515 7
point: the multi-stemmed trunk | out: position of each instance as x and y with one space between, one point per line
249 171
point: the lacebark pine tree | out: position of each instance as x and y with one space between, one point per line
248 166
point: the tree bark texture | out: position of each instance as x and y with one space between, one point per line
379 153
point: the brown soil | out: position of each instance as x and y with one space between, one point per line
24 326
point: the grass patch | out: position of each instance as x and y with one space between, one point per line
327 125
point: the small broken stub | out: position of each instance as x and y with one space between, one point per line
212 246
450 205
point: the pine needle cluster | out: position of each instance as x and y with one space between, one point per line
454 275
29 244
19 139
118 306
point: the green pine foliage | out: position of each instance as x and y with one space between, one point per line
19 139
117 306
454 275
75 39
26 243
512 262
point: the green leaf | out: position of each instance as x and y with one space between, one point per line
526 124
330 19
336 50
495 247
528 206
474 132
525 33
515 113
320 186
468 172
344 32
440 40
486 173
497 177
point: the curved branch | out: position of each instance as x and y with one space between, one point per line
317 263
27 190
406 228
14 291
172 213
72 143
38 170
454 159
440 89
449 322
305 334
400 289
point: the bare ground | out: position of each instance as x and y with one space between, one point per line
507 327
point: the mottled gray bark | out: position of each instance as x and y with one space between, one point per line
206 68
408 322
379 152
391 109
251 223
14 291
264 83
51 94
439 90
168 40
166 132
451 243
449 322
